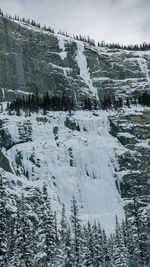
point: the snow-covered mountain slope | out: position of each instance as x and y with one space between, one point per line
36 61
73 155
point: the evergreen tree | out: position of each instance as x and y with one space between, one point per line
3 225
23 253
98 245
89 245
63 236
77 233
61 245
46 238
69 252
140 236
105 250
1 12
11 242
121 253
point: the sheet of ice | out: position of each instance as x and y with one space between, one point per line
3 93
61 40
79 163
143 66
84 72
4 90
23 92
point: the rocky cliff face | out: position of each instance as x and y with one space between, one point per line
94 156
132 129
36 61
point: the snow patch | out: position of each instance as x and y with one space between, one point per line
127 135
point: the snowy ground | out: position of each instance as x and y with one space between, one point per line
71 162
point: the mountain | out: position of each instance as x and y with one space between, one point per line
36 61
101 157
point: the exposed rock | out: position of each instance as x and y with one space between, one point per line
71 124
4 162
35 61
5 137
133 130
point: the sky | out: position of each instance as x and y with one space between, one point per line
123 21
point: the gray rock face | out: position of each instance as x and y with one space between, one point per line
4 162
31 61
133 130
35 61
5 136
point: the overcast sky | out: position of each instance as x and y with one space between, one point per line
123 21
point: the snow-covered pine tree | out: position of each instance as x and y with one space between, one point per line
1 12
77 233
23 253
3 225
120 251
11 241
97 244
46 239
124 232
17 259
140 236
62 237
128 237
56 239
90 246
69 260
106 259
87 245
85 249
111 244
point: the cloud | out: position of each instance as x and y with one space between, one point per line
123 21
